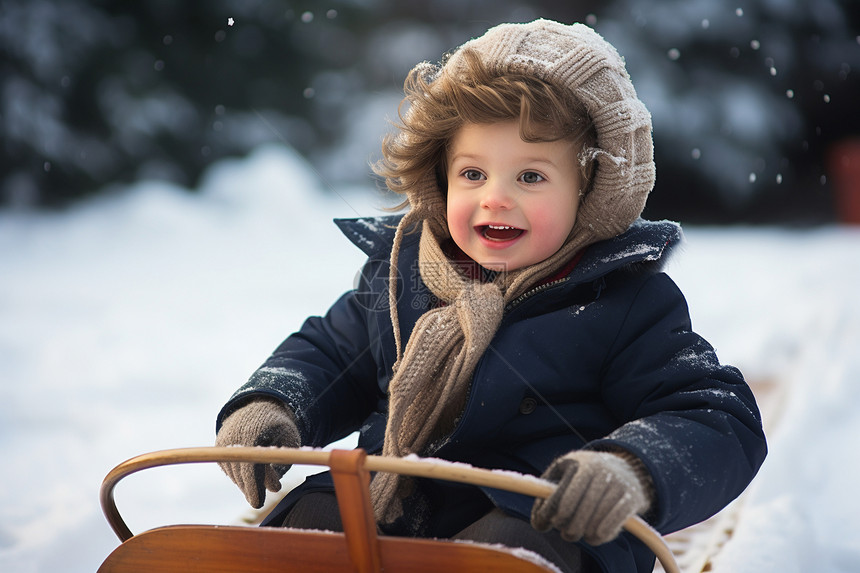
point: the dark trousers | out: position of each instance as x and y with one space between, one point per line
319 510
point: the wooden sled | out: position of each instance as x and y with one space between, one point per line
213 548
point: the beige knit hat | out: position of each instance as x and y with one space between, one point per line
576 58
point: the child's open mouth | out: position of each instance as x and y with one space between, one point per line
499 233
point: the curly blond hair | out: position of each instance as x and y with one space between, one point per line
441 101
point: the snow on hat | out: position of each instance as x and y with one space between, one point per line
576 58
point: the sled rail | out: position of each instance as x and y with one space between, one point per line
346 467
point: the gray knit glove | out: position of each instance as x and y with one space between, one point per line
261 422
597 492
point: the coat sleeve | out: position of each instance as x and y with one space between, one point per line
692 421
325 373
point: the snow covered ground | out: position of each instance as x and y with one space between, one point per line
126 322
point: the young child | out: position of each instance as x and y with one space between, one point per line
515 317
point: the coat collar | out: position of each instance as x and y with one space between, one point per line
644 242
374 235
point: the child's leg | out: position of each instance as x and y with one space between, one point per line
316 510
498 527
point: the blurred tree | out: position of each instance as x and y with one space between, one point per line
111 91
746 99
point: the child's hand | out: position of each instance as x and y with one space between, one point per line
262 422
597 492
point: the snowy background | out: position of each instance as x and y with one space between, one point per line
748 98
127 321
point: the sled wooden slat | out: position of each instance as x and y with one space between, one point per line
352 483
215 549
358 549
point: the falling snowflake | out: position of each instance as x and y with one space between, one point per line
230 21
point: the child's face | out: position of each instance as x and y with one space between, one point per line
511 203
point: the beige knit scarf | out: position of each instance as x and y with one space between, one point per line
433 373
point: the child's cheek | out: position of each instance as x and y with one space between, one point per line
458 217
551 226
450 211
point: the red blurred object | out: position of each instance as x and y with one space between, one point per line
844 163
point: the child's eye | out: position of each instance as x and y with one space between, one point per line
530 177
473 175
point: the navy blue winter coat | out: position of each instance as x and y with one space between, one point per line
605 356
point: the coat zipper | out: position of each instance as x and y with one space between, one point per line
536 290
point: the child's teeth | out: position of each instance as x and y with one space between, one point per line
501 232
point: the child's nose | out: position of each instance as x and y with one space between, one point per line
496 196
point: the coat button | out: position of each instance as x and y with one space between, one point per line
528 405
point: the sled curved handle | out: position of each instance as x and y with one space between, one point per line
410 465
